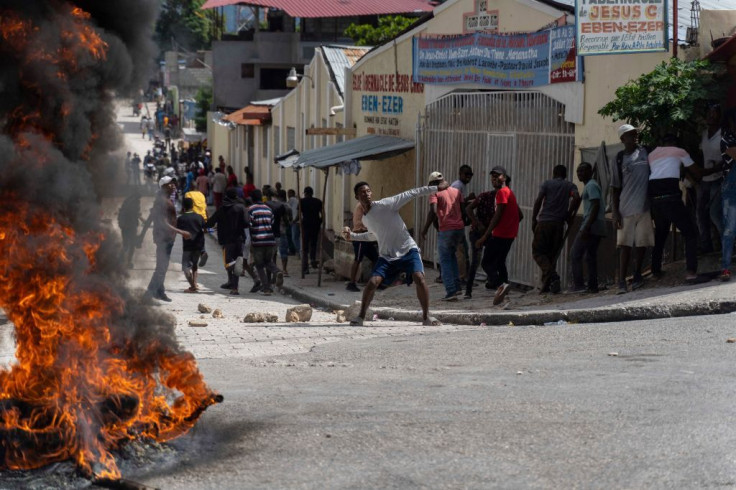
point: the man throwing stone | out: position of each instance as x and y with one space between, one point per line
397 250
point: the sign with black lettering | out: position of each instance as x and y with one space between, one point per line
621 26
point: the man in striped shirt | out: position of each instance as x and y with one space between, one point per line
263 242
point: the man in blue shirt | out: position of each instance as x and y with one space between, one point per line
592 230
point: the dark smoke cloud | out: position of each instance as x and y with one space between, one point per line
68 176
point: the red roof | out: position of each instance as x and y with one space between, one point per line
332 8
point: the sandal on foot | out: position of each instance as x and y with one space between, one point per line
356 322
431 322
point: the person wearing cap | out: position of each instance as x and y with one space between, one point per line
630 206
398 252
665 162
446 206
500 234
556 205
163 215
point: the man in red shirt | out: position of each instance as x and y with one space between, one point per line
500 234
446 205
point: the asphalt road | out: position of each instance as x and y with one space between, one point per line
500 407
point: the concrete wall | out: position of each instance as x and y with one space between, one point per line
230 89
603 75
187 79
266 50
719 23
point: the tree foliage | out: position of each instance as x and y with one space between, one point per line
204 100
670 99
186 23
388 27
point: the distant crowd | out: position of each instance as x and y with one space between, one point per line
259 227
256 228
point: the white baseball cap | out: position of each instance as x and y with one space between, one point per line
625 129
165 180
435 176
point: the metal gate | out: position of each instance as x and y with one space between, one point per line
525 132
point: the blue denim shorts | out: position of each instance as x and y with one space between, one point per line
390 270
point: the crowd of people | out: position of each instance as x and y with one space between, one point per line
256 228
647 200
259 229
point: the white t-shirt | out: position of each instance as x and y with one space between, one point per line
711 148
664 162
385 225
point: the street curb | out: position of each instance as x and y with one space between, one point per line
539 317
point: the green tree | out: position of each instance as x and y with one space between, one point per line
388 27
204 99
186 23
670 99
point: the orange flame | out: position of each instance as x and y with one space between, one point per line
65 398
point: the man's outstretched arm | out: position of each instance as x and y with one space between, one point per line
399 200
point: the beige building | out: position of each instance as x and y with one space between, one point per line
528 131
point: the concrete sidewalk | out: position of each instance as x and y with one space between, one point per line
668 297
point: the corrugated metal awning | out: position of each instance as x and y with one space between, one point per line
368 147
332 8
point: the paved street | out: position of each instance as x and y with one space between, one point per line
500 407
646 404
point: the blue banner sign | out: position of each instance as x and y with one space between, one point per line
504 61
